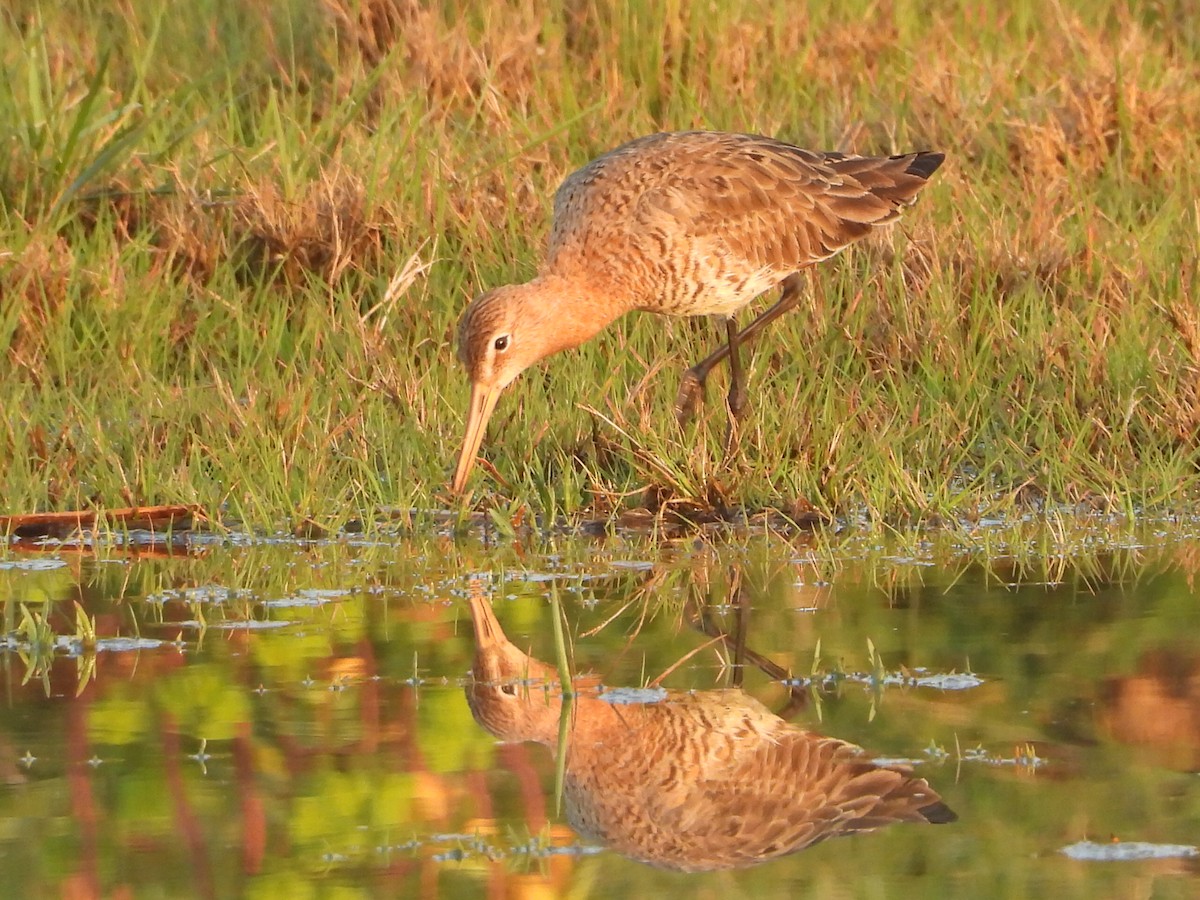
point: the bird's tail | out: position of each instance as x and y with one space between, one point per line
896 179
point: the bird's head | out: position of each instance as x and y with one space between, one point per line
505 331
498 339
499 335
511 694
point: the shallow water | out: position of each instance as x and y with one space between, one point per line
283 718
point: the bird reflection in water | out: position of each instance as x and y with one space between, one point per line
694 780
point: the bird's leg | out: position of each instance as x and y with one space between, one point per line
691 386
735 400
741 603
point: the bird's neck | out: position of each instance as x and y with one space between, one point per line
545 706
570 311
589 717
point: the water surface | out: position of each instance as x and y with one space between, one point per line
282 718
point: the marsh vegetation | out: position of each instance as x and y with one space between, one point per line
235 239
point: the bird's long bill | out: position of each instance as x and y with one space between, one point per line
483 401
488 632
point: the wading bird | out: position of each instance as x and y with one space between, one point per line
683 224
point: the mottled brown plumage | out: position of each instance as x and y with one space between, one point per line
684 223
690 781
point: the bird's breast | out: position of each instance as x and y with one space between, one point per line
706 285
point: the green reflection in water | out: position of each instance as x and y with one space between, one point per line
300 729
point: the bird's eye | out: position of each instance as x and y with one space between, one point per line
501 342
510 689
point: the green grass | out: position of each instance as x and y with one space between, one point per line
235 240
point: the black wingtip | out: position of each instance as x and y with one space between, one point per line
925 163
938 813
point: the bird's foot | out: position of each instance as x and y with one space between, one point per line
689 398
736 403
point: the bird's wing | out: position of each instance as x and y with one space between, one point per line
762 201
787 795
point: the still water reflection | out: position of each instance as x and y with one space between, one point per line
688 780
287 719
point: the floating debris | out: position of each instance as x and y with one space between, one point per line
307 597
136 518
1024 756
949 681
1127 851
893 762
204 593
252 625
630 696
942 681
37 564
127 644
